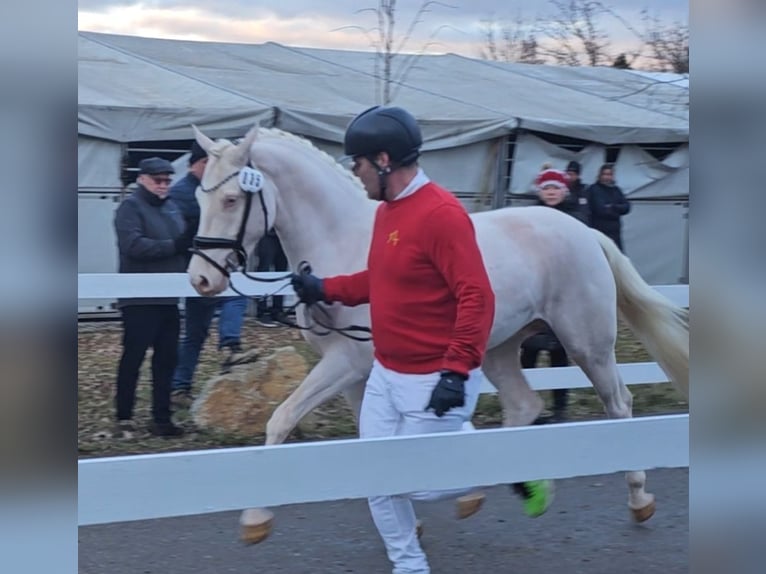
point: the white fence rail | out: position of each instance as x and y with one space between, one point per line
177 484
112 285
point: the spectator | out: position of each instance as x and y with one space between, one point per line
578 198
607 205
151 238
553 188
199 311
271 257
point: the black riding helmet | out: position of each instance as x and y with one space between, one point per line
384 128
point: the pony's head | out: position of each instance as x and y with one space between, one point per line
237 207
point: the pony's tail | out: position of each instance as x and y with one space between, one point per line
661 326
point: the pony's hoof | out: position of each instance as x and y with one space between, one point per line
419 529
645 513
469 504
255 525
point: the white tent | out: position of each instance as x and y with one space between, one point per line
471 111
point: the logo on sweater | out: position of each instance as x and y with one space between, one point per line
393 237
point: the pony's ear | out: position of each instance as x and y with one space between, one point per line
204 142
244 145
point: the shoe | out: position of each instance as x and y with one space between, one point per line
536 494
124 429
267 322
181 398
235 355
165 429
280 317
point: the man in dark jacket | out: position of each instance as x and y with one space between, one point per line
199 311
152 238
607 205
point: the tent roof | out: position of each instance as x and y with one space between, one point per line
133 88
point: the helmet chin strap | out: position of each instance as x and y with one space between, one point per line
382 179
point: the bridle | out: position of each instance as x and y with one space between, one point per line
250 182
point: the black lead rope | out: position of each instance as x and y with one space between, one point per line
324 323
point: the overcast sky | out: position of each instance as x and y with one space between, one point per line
456 24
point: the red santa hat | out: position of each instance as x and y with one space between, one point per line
552 177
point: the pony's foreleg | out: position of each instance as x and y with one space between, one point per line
331 375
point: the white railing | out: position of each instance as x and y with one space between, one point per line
176 484
113 285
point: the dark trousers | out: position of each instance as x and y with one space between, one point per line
271 257
145 326
558 359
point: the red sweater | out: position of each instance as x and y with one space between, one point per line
430 299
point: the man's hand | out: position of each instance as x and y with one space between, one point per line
308 287
448 393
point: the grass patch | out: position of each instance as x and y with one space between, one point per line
99 351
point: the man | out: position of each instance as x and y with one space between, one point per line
607 205
199 311
151 238
577 201
431 305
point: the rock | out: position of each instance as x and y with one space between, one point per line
241 402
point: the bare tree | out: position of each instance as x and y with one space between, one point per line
574 36
668 45
513 42
389 48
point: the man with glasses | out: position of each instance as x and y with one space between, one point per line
152 237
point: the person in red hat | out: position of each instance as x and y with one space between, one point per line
553 191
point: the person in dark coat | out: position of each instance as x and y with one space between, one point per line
152 237
553 188
607 205
578 196
271 257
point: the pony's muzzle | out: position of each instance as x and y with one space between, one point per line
205 278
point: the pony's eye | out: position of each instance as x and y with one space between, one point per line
229 201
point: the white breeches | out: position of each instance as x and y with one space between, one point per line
394 405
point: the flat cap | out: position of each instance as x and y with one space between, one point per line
154 166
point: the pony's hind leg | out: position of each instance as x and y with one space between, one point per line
601 369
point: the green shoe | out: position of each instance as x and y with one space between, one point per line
537 496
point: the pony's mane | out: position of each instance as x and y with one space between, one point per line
276 133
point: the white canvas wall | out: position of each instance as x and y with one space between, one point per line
654 237
532 152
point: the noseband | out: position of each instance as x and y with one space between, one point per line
250 183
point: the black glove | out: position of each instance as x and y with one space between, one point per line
308 287
448 393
